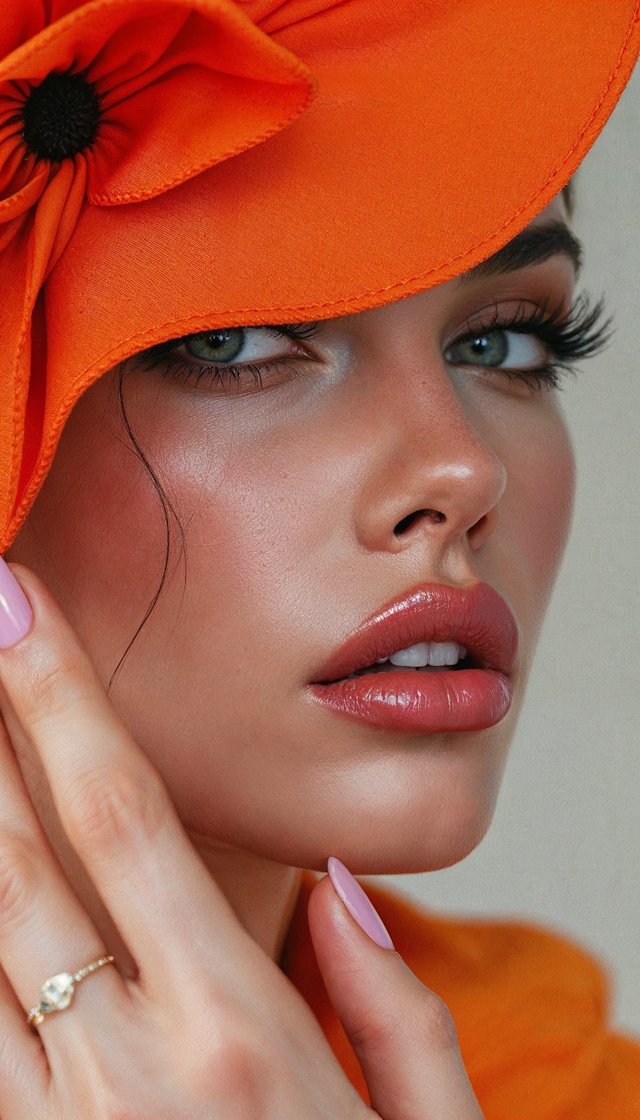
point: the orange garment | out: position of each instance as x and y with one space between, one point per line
531 1011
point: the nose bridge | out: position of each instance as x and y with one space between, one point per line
455 458
431 459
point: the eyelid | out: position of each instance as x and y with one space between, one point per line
182 367
496 316
570 333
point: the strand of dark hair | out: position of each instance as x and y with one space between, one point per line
169 516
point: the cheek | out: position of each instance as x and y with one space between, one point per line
104 529
536 512
262 538
247 511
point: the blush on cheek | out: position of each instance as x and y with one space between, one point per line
102 519
536 509
551 502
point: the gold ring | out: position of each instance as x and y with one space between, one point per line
57 992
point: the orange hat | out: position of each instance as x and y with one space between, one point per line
165 167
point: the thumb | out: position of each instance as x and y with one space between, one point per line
403 1034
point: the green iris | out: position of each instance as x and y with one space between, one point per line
489 349
222 345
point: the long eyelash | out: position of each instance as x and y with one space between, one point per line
149 358
175 368
570 336
301 332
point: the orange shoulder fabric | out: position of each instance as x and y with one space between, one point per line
531 1011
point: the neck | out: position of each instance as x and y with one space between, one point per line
262 893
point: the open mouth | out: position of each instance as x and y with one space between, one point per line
452 671
425 657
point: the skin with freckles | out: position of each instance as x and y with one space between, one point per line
291 498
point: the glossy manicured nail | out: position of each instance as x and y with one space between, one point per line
359 906
15 613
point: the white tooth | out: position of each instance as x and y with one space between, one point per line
381 660
462 653
412 656
443 653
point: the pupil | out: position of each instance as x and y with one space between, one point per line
60 116
490 349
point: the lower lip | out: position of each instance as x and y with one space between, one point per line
421 703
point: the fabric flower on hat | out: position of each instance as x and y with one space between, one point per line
108 103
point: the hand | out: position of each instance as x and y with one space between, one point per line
210 1028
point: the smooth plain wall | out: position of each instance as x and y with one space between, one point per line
564 848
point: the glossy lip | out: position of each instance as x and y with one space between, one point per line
427 703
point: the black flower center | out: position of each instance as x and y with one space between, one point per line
60 116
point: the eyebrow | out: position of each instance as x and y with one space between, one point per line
531 246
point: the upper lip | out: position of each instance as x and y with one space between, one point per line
477 617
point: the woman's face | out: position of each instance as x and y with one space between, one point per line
377 457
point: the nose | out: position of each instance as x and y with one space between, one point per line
433 476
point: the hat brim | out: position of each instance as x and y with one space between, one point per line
437 134
440 129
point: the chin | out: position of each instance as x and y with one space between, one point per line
380 819
428 812
427 839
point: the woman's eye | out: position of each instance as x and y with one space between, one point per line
239 345
240 358
498 349
216 346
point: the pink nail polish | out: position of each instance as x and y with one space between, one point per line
15 613
359 906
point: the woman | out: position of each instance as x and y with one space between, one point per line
309 497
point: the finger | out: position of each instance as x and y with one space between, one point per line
112 803
23 1065
402 1033
44 930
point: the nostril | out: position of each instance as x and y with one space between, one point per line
478 526
415 518
483 528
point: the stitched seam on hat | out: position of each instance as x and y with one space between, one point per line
492 237
140 196
70 397
452 260
16 426
299 70
437 268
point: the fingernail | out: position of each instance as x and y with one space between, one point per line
358 904
15 613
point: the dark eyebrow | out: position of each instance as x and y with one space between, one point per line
531 246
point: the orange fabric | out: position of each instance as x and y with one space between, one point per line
183 84
531 1011
439 130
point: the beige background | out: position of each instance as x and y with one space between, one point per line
565 844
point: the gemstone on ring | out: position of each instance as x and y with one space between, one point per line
56 993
